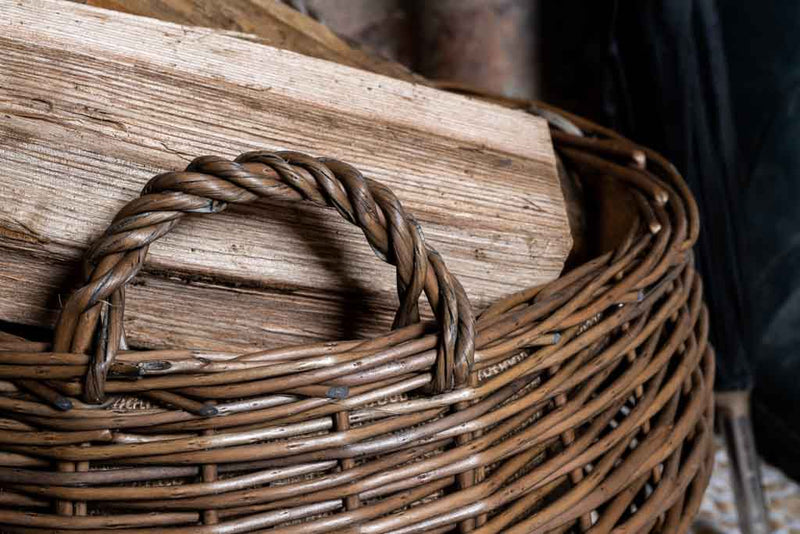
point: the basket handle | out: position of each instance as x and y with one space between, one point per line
208 185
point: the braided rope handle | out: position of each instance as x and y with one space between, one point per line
208 185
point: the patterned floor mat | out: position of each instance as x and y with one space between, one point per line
718 512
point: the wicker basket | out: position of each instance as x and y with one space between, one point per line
583 404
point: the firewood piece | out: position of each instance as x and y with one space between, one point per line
270 22
96 102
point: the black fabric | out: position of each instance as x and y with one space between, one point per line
669 60
762 40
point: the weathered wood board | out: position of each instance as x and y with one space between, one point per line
269 22
93 103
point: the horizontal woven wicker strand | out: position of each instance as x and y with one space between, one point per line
579 405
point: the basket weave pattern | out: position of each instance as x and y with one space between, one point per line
583 404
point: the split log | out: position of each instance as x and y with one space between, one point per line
93 103
269 22
490 45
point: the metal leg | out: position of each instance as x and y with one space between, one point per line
733 415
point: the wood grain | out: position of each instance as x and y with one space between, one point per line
269 22
223 316
93 103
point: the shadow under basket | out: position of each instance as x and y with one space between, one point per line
583 404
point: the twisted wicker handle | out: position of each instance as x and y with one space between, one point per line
208 185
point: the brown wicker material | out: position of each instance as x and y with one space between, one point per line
583 404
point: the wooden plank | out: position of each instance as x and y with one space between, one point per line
93 103
491 45
223 316
269 22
